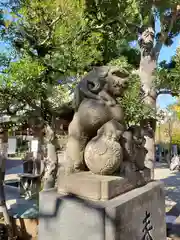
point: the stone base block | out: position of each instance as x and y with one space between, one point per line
98 187
136 215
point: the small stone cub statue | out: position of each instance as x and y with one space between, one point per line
134 154
133 142
103 154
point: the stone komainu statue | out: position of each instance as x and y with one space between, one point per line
101 83
97 128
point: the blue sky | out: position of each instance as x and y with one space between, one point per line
166 53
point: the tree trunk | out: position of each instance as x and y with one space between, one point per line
148 64
52 159
3 157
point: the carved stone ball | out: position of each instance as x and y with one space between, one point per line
103 154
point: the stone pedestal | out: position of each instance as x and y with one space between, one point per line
100 187
136 215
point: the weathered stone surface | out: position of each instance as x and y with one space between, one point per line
137 178
96 104
120 218
98 187
103 154
135 206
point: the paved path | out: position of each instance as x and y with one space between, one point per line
172 184
172 190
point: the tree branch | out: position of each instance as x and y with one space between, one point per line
49 67
166 91
50 30
157 48
164 35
